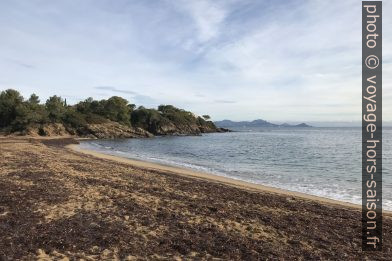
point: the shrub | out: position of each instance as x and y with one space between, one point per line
74 118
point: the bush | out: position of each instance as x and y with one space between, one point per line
95 119
74 118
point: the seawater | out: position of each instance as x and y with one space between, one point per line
318 161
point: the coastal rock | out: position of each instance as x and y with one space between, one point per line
162 128
223 130
182 128
111 130
51 129
107 130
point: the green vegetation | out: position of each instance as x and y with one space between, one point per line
19 115
206 117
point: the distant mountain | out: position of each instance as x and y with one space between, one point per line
302 125
255 123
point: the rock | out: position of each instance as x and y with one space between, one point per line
49 130
223 130
112 130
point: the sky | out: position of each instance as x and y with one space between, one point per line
295 61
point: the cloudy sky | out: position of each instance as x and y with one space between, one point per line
238 59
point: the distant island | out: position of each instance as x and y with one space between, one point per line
255 123
111 118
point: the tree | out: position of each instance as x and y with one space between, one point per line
9 100
176 115
148 119
38 111
206 117
85 106
74 118
29 113
34 99
55 107
168 109
93 110
116 109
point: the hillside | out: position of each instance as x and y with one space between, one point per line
111 118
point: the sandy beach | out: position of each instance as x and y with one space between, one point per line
59 201
210 177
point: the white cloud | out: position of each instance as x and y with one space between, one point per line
294 60
207 16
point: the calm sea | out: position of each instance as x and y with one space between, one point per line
318 161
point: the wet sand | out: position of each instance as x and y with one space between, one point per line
57 203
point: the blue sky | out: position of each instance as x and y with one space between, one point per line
234 59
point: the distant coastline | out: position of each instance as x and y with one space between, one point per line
256 123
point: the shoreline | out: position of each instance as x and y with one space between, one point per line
216 178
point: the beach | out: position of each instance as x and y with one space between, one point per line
59 201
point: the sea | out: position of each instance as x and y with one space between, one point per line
323 162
